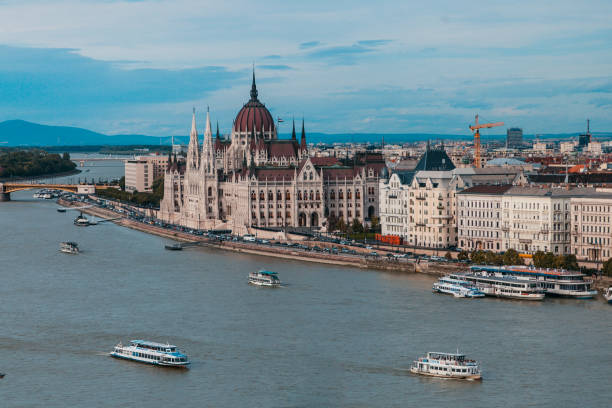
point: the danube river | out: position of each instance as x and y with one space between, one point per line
332 337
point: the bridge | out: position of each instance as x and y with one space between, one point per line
7 188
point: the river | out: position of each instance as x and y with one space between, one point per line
334 336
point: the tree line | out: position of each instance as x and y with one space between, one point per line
30 163
142 199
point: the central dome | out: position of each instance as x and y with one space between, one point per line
253 113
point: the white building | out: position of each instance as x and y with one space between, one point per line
591 232
420 205
479 217
142 171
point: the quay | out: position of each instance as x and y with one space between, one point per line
360 260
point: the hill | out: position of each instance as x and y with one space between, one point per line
23 133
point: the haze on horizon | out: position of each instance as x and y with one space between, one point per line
386 67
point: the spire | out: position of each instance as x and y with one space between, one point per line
194 130
303 138
293 137
193 152
253 87
207 132
218 137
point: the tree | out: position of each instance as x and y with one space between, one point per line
463 256
66 156
491 258
448 255
332 222
341 225
607 267
356 226
375 224
122 183
511 257
478 257
544 259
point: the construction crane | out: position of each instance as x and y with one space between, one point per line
476 127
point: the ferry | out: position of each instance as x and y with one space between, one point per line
608 294
447 365
457 287
508 287
264 278
554 282
69 248
150 352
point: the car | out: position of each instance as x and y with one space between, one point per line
373 253
248 238
368 247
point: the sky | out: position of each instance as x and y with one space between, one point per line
357 66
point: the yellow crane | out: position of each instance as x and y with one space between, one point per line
476 127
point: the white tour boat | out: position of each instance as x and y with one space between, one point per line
508 287
457 287
554 282
447 365
69 247
608 294
151 353
264 278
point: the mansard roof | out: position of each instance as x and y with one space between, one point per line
282 148
274 173
435 159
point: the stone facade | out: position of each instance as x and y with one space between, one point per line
255 179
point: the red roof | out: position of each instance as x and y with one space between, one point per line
324 161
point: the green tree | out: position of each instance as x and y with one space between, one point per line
544 259
332 222
448 255
122 183
341 225
357 226
607 267
463 256
375 224
66 156
478 257
511 257
491 258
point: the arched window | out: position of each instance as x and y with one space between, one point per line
270 195
348 194
332 195
340 194
210 191
318 195
287 195
311 197
279 195
311 175
299 195
357 194
261 195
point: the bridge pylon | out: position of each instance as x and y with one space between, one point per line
4 196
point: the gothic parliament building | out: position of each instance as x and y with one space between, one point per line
255 179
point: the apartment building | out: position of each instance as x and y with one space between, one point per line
591 232
142 171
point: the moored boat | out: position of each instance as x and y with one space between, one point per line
264 278
554 282
608 294
457 287
81 221
174 247
508 287
150 352
69 247
447 365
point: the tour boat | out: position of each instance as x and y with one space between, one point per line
447 365
554 282
264 278
69 247
508 287
456 287
608 294
61 210
151 353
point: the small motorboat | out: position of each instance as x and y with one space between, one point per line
174 247
608 294
69 248
61 210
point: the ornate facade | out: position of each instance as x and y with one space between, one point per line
255 179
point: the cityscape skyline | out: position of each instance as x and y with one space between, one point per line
98 65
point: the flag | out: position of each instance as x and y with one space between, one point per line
280 120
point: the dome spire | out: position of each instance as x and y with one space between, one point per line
253 86
293 131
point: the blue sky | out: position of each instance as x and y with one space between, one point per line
350 66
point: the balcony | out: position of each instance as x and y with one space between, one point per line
420 198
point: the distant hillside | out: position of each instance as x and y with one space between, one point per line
22 133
